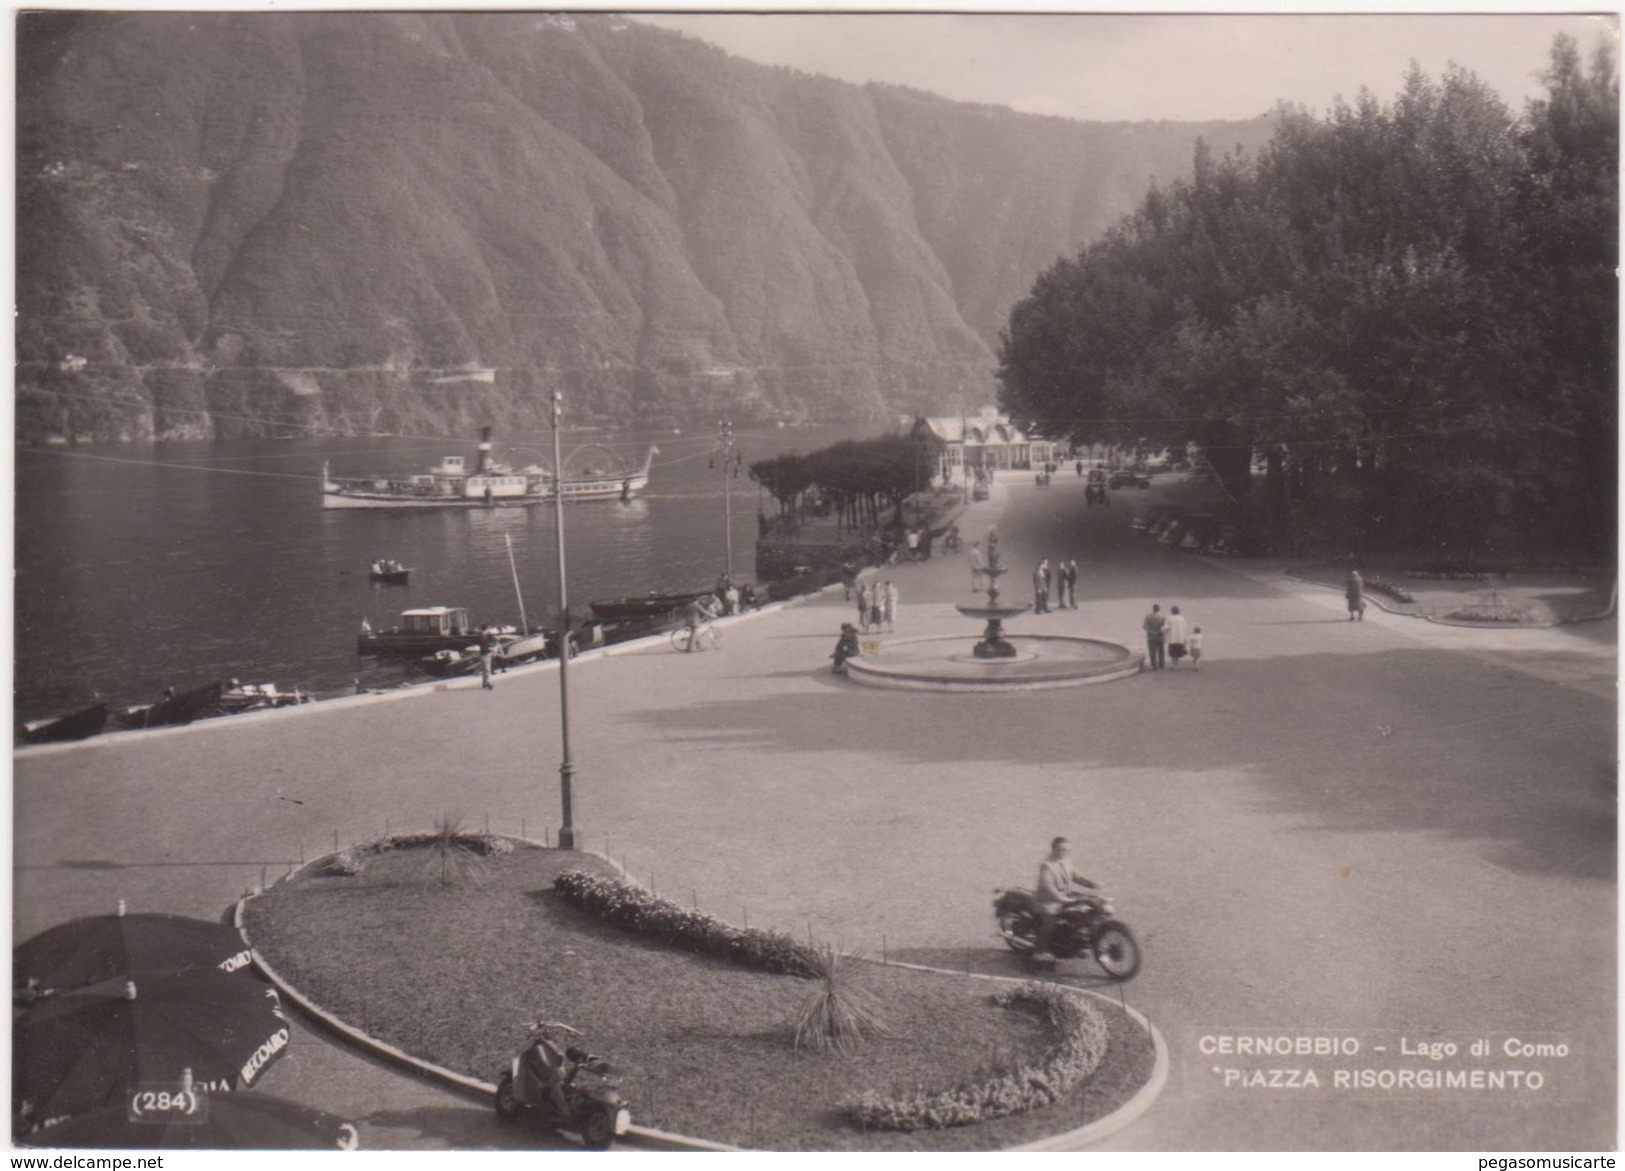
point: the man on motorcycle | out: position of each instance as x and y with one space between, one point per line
1057 885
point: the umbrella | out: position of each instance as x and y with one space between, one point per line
93 1046
90 950
198 1120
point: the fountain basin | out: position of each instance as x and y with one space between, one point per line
1041 662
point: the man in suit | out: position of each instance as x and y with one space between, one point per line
1057 885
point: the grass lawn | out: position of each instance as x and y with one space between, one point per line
451 972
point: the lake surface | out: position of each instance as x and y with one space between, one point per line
149 566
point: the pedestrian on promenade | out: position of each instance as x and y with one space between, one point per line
877 604
913 539
1069 581
1154 624
1196 648
487 649
864 603
1041 588
888 606
1354 591
978 565
1176 635
849 578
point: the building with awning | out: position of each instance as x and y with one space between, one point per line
985 440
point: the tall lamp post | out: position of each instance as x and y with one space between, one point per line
567 830
727 443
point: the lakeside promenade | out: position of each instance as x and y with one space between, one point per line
1379 826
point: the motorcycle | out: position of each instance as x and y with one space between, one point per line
593 1107
1083 926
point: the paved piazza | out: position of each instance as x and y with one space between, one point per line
1382 854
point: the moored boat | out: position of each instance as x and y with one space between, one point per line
453 484
79 725
426 630
641 606
175 708
447 664
526 648
248 697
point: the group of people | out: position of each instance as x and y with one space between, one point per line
1060 580
877 605
1168 637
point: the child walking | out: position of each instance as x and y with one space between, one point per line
1194 645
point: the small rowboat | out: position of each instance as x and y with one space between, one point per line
389 572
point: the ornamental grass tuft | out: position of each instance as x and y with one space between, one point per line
838 1015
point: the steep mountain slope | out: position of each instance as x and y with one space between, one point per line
269 223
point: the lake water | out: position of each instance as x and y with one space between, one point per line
143 567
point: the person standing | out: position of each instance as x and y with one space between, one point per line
1176 635
978 565
849 578
1154 624
1196 648
487 649
1069 579
877 604
888 606
1040 589
1354 591
863 605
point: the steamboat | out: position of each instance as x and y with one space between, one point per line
453 484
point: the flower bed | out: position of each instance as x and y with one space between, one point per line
350 861
635 908
1028 1087
705 1047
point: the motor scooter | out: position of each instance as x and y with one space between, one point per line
593 1109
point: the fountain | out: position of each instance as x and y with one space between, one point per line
999 662
993 645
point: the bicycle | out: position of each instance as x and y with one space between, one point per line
705 637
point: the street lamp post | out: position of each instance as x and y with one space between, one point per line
567 830
727 442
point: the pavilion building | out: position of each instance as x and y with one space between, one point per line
987 441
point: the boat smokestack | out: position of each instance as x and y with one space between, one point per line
485 450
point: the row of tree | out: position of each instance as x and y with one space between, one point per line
857 477
1407 311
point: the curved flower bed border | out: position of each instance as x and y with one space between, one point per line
1079 1054
479 843
628 905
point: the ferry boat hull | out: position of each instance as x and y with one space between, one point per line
488 485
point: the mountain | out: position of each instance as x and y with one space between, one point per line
252 223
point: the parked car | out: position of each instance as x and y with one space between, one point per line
1146 522
1224 542
1173 529
1201 529
1129 480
